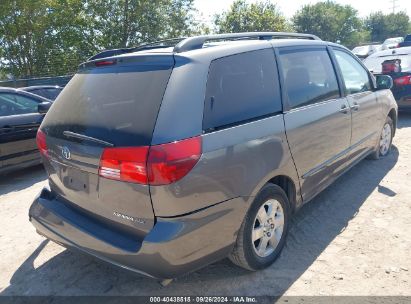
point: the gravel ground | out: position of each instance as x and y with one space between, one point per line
353 239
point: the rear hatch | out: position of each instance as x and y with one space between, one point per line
108 104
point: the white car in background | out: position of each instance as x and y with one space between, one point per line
392 43
363 51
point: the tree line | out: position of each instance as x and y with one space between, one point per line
328 20
51 37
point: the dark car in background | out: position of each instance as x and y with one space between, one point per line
406 42
164 160
397 64
21 114
47 91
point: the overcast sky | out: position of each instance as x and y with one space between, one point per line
208 8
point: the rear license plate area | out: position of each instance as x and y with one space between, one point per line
75 179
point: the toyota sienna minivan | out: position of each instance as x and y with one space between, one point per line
164 158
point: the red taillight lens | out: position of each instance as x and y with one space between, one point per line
391 66
41 142
404 80
170 162
105 63
126 164
155 165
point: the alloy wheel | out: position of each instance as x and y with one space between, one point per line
385 140
268 228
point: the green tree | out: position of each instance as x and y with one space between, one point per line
246 17
124 23
42 37
383 26
51 37
3 74
330 21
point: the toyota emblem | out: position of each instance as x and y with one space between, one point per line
66 152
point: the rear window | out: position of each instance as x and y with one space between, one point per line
117 104
374 64
240 88
47 93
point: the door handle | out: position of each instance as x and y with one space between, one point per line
355 106
344 109
7 129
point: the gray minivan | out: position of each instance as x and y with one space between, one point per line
162 159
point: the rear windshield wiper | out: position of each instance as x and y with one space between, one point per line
87 138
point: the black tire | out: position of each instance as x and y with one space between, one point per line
243 253
377 154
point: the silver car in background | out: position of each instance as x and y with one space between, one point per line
364 51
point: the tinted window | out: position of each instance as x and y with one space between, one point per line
115 104
309 76
11 104
52 93
47 93
355 77
37 92
241 87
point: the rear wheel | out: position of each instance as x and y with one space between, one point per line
385 141
263 231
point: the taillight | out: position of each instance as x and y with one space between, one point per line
105 63
41 142
126 164
391 66
404 80
170 162
155 165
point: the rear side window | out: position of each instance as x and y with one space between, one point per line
309 76
47 93
240 88
37 92
116 104
52 93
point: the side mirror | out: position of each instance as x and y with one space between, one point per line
384 82
43 107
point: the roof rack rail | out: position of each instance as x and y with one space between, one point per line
146 46
197 42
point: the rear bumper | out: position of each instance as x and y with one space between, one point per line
404 103
173 247
403 96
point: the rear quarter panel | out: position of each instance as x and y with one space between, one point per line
236 162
